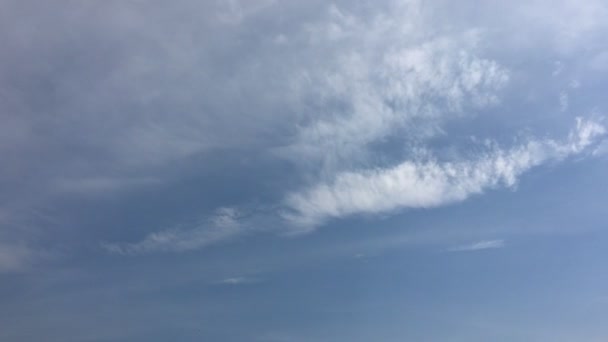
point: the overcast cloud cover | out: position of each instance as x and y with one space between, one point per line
270 170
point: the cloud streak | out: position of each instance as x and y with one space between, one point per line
430 183
420 183
238 281
223 225
477 246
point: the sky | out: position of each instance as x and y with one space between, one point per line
289 170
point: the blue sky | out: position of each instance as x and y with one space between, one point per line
278 171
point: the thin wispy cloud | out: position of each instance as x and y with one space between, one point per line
381 72
431 183
374 76
223 225
101 185
480 245
14 257
601 149
338 83
162 161
239 281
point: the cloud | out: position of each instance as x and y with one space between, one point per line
238 281
430 183
95 185
481 245
418 183
563 101
222 226
385 76
602 149
15 257
141 90
599 62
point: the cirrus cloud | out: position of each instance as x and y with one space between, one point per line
431 183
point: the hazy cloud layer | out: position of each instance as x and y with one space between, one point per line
14 257
355 101
162 160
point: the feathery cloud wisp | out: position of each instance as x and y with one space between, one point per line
480 245
238 281
224 225
424 184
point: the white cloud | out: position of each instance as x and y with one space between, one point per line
429 183
486 244
238 281
558 68
563 101
385 76
232 75
601 149
222 226
574 84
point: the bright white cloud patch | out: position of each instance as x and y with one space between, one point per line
385 76
430 183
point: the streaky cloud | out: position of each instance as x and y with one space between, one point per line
430 183
238 281
222 226
480 245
